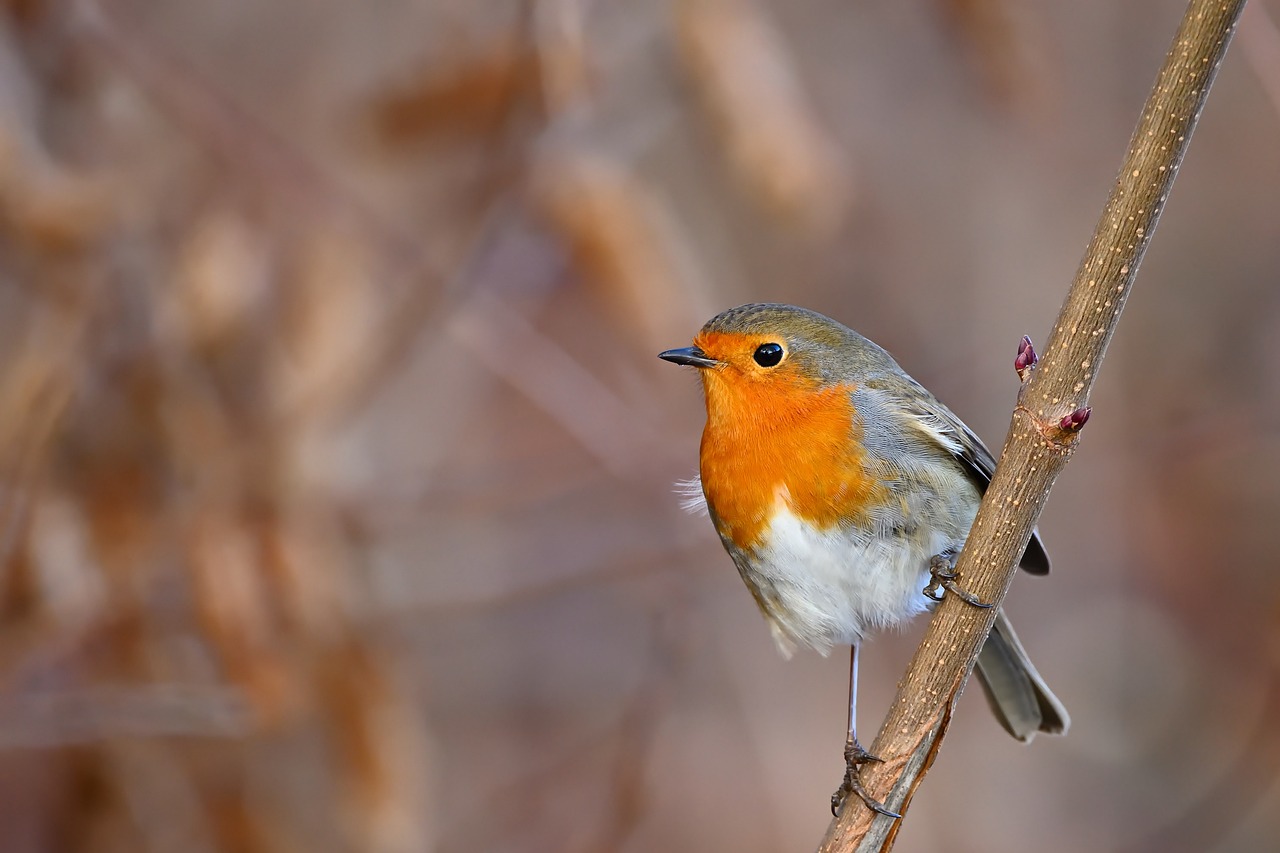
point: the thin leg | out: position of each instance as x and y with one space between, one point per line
942 575
851 745
853 693
854 755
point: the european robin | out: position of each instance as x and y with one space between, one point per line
843 491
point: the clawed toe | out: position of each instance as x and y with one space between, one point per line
852 784
854 757
943 576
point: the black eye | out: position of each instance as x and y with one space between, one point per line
768 355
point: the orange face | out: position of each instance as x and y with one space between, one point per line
776 437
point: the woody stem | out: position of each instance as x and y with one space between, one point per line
1045 427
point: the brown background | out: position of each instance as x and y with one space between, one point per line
337 508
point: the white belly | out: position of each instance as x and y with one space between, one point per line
834 587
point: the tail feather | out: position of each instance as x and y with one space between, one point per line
1021 701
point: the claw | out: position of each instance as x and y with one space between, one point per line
942 575
854 757
853 785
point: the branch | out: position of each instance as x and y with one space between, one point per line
1051 408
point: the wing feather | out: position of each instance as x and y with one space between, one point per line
940 424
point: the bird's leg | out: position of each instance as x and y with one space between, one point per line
853 751
943 575
854 755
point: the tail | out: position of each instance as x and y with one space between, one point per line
1018 696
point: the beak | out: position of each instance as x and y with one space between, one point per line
689 356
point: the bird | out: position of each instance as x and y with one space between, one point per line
843 491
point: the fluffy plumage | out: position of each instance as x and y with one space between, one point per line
833 478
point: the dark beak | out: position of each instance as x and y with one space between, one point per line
690 356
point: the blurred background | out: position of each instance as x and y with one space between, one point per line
337 505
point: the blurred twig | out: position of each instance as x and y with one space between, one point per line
160 710
1001 48
500 339
646 565
230 133
554 381
740 67
1044 431
34 392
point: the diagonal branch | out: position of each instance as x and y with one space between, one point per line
1051 409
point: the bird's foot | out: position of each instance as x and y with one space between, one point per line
943 575
854 757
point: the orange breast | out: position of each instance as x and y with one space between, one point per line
782 442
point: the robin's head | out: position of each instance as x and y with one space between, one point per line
776 349
780 413
764 365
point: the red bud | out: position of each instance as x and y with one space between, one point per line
1026 359
1077 419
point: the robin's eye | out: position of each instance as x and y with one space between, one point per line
768 355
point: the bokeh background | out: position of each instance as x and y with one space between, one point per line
337 505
